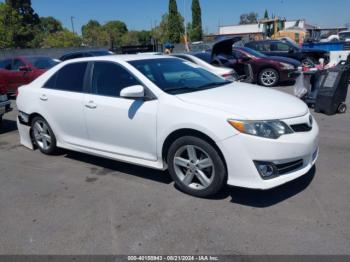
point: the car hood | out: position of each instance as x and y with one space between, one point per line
282 59
224 46
246 101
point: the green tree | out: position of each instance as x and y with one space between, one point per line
160 32
266 14
29 20
50 25
196 32
10 22
175 27
115 31
94 34
136 38
63 38
249 18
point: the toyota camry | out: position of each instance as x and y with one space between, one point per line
167 113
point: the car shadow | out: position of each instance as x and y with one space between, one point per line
104 166
263 199
241 196
7 126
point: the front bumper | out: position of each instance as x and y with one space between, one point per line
242 150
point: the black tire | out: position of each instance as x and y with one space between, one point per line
51 148
219 174
263 82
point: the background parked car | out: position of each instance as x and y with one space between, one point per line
227 73
307 56
81 54
22 70
267 70
4 102
344 36
259 68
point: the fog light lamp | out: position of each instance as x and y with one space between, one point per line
266 170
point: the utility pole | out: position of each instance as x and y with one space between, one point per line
72 22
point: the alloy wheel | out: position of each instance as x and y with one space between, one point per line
42 135
269 78
194 167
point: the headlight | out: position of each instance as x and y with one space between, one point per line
287 66
269 129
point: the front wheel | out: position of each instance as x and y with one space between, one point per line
43 136
342 108
268 77
196 166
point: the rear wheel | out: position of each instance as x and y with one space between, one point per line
196 166
43 136
268 77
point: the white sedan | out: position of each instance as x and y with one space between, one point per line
162 112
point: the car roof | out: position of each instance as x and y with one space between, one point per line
125 58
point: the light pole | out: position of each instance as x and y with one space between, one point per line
72 22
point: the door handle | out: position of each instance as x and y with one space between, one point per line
91 105
43 98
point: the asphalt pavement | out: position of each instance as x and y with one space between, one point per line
74 203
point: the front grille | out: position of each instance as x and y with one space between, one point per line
289 167
301 128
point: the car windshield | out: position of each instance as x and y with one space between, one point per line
253 52
42 62
344 35
176 76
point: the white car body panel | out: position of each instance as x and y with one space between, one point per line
220 71
134 131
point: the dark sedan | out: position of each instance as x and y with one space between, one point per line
87 53
307 56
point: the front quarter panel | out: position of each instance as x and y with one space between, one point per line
174 115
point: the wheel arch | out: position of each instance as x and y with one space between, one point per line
189 132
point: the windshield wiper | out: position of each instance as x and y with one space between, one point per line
214 84
183 88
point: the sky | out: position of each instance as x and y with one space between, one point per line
143 14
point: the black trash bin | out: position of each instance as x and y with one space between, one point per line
333 89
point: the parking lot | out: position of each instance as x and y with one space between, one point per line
73 203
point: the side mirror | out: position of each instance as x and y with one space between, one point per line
137 91
24 68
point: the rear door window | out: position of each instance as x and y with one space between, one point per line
110 78
69 78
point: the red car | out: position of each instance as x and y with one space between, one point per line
18 71
267 70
